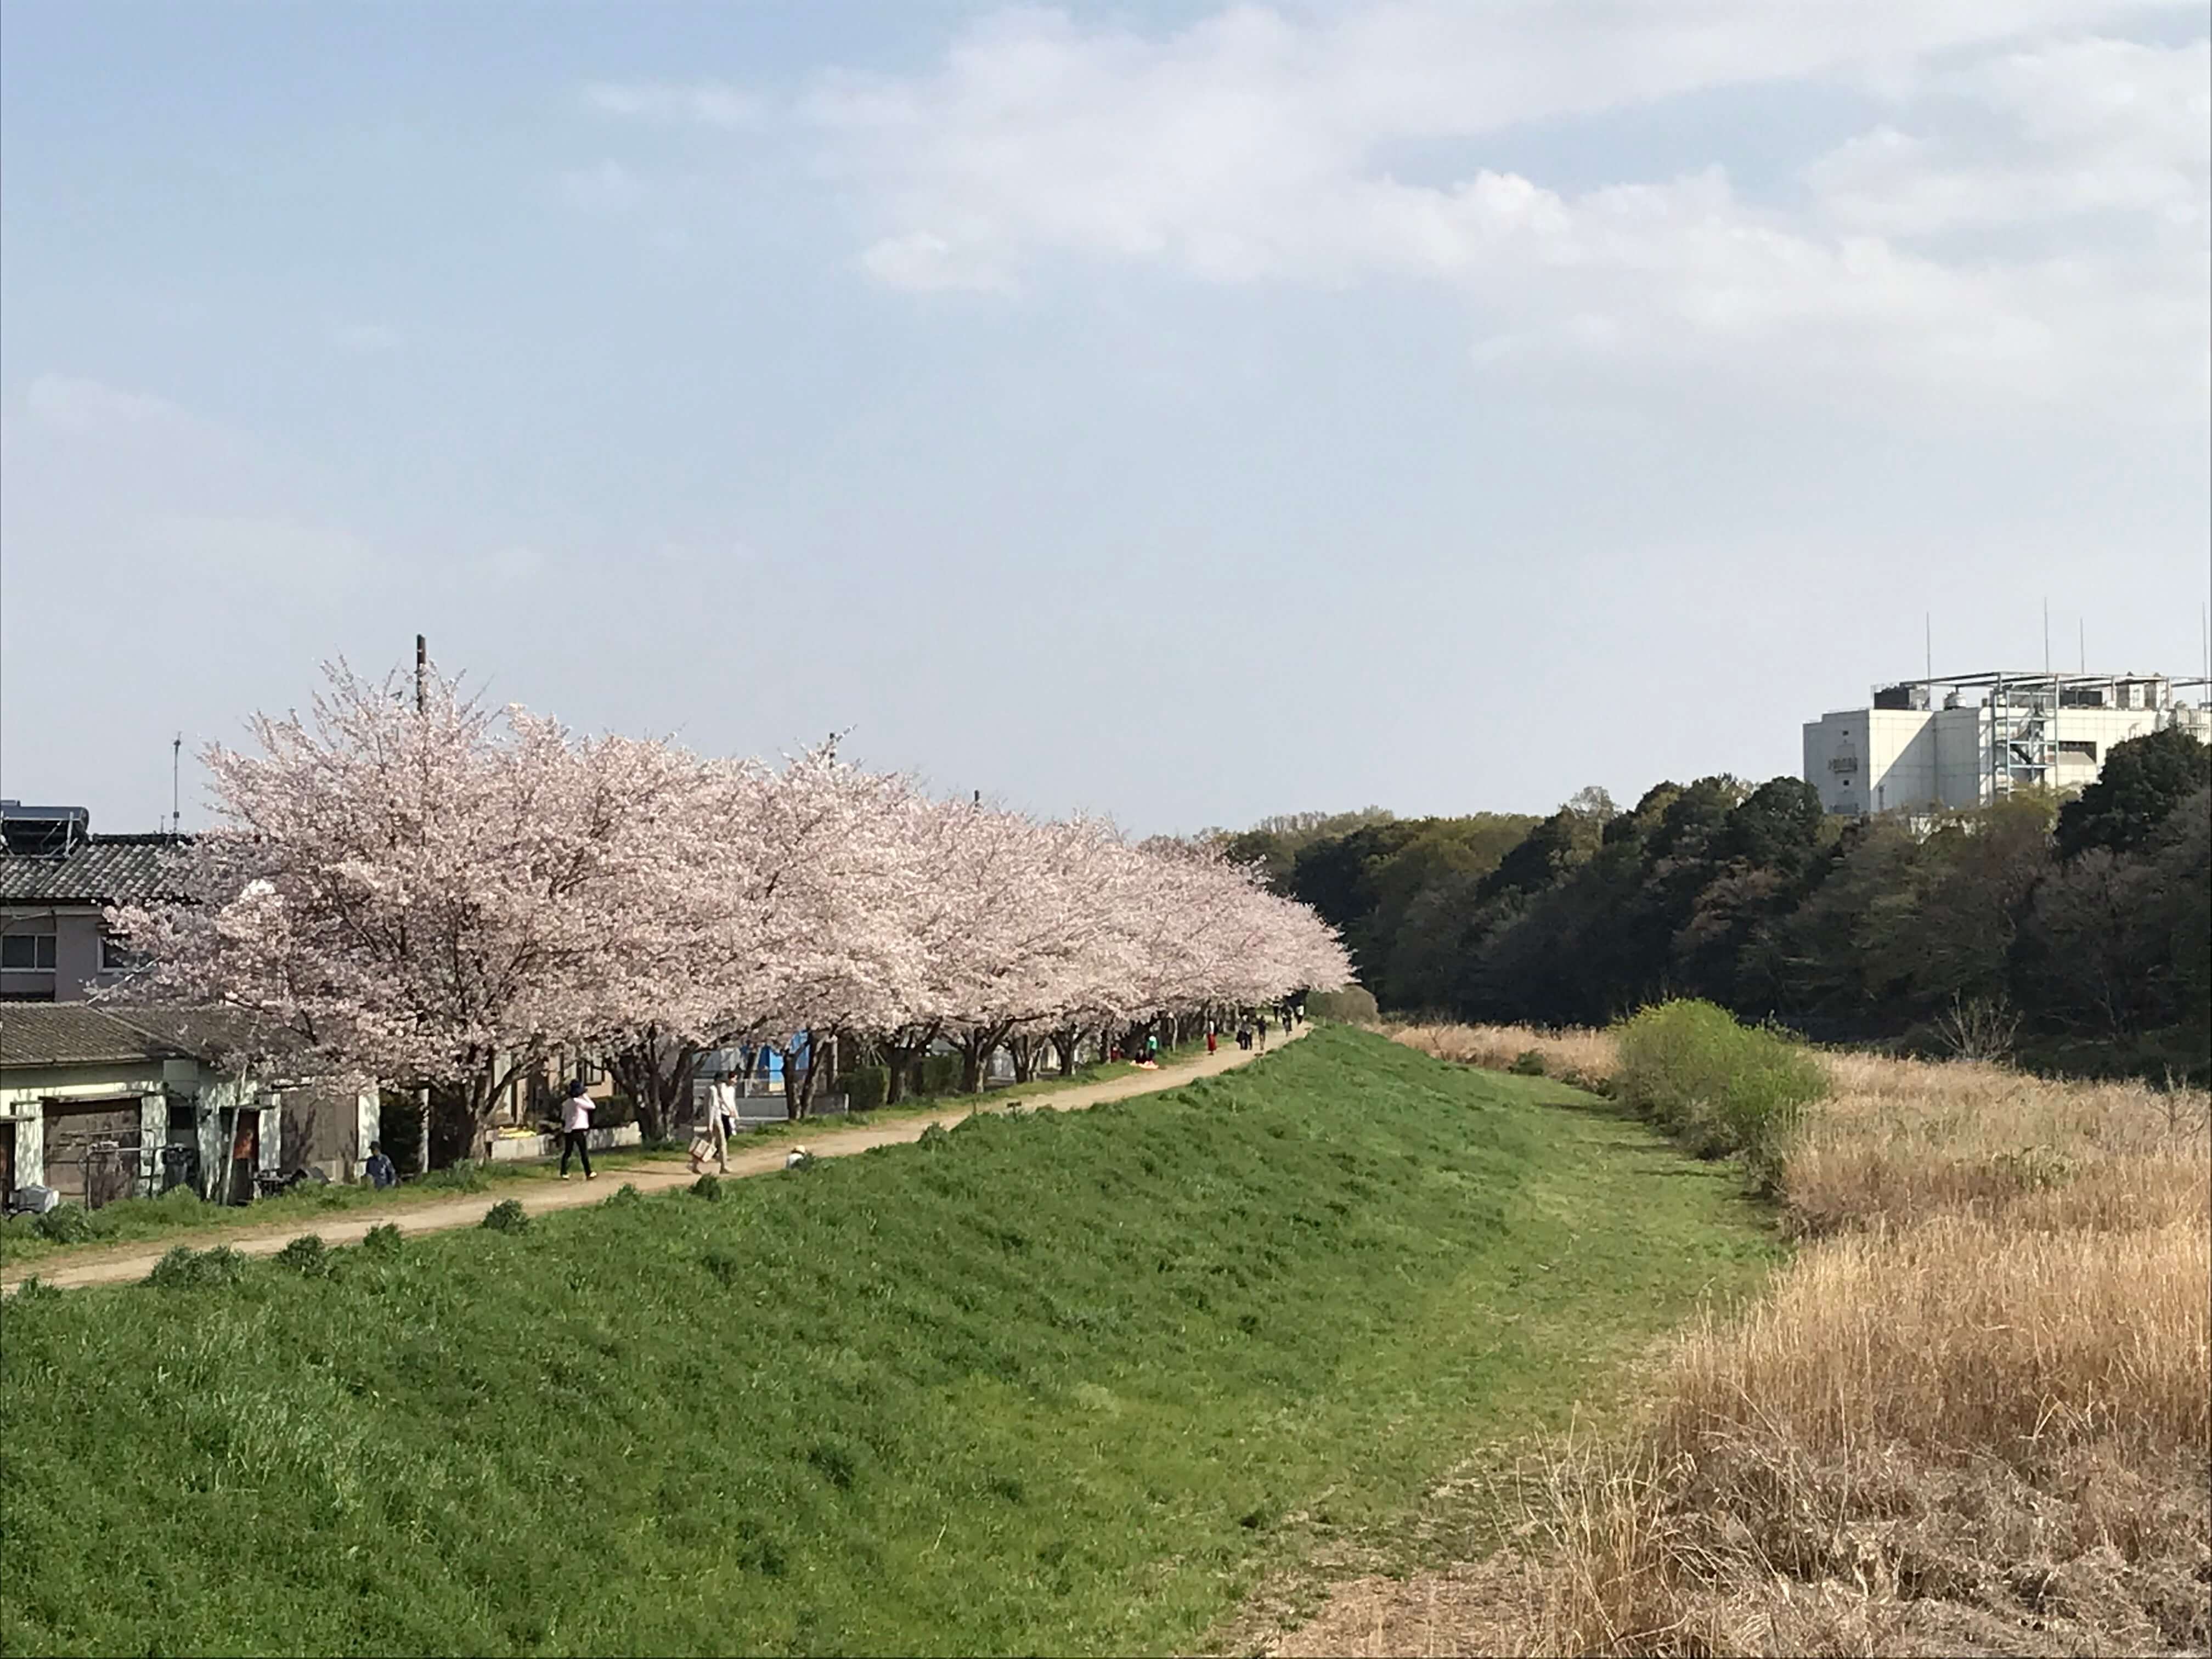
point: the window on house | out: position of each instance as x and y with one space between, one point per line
27 951
116 956
2078 750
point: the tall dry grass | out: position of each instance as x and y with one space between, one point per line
1974 1414
1585 1059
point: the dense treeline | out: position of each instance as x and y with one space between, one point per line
2075 934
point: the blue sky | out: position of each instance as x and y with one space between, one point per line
1183 412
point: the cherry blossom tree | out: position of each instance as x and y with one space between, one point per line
448 893
442 894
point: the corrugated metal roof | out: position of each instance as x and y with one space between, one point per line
70 1034
106 869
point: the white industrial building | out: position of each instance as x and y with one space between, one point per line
1969 739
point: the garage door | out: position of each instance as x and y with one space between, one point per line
92 1148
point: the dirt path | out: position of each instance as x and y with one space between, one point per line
134 1261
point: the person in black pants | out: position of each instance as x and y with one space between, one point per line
576 1129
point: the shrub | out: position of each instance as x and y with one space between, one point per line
866 1087
508 1216
383 1239
1718 1087
624 1194
707 1187
68 1224
1353 1006
32 1290
1530 1062
462 1175
615 1112
183 1268
305 1255
935 1139
938 1074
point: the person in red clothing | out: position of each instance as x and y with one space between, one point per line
1209 1037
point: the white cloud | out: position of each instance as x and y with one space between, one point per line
606 186
68 403
1254 146
704 103
136 493
2092 126
922 260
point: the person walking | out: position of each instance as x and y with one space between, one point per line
576 1129
1209 1037
379 1168
1152 1047
721 1123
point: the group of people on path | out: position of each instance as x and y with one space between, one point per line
1252 1029
712 1138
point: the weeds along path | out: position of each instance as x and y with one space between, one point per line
127 1263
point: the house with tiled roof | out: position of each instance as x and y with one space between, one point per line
56 880
98 1104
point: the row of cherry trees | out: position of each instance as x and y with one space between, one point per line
428 889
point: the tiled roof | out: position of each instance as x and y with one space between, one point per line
223 1036
81 1034
70 1034
106 869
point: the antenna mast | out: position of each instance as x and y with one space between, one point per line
176 794
422 675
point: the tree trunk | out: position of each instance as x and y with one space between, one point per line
656 1074
975 1049
798 1082
1066 1042
901 1052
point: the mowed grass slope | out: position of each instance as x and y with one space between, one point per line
1056 1382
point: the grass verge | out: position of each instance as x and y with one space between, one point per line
75 1233
1971 1416
1058 1382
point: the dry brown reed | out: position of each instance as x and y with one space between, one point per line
1973 1414
1584 1058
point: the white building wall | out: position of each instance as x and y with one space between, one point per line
1835 763
1960 737
1877 760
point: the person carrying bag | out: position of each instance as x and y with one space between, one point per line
713 1140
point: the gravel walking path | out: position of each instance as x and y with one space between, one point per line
124 1263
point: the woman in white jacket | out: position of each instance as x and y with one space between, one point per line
721 1118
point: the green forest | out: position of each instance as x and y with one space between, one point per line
2070 934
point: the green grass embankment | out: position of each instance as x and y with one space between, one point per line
1058 1382
71 1234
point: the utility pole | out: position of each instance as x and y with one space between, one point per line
176 794
423 1095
